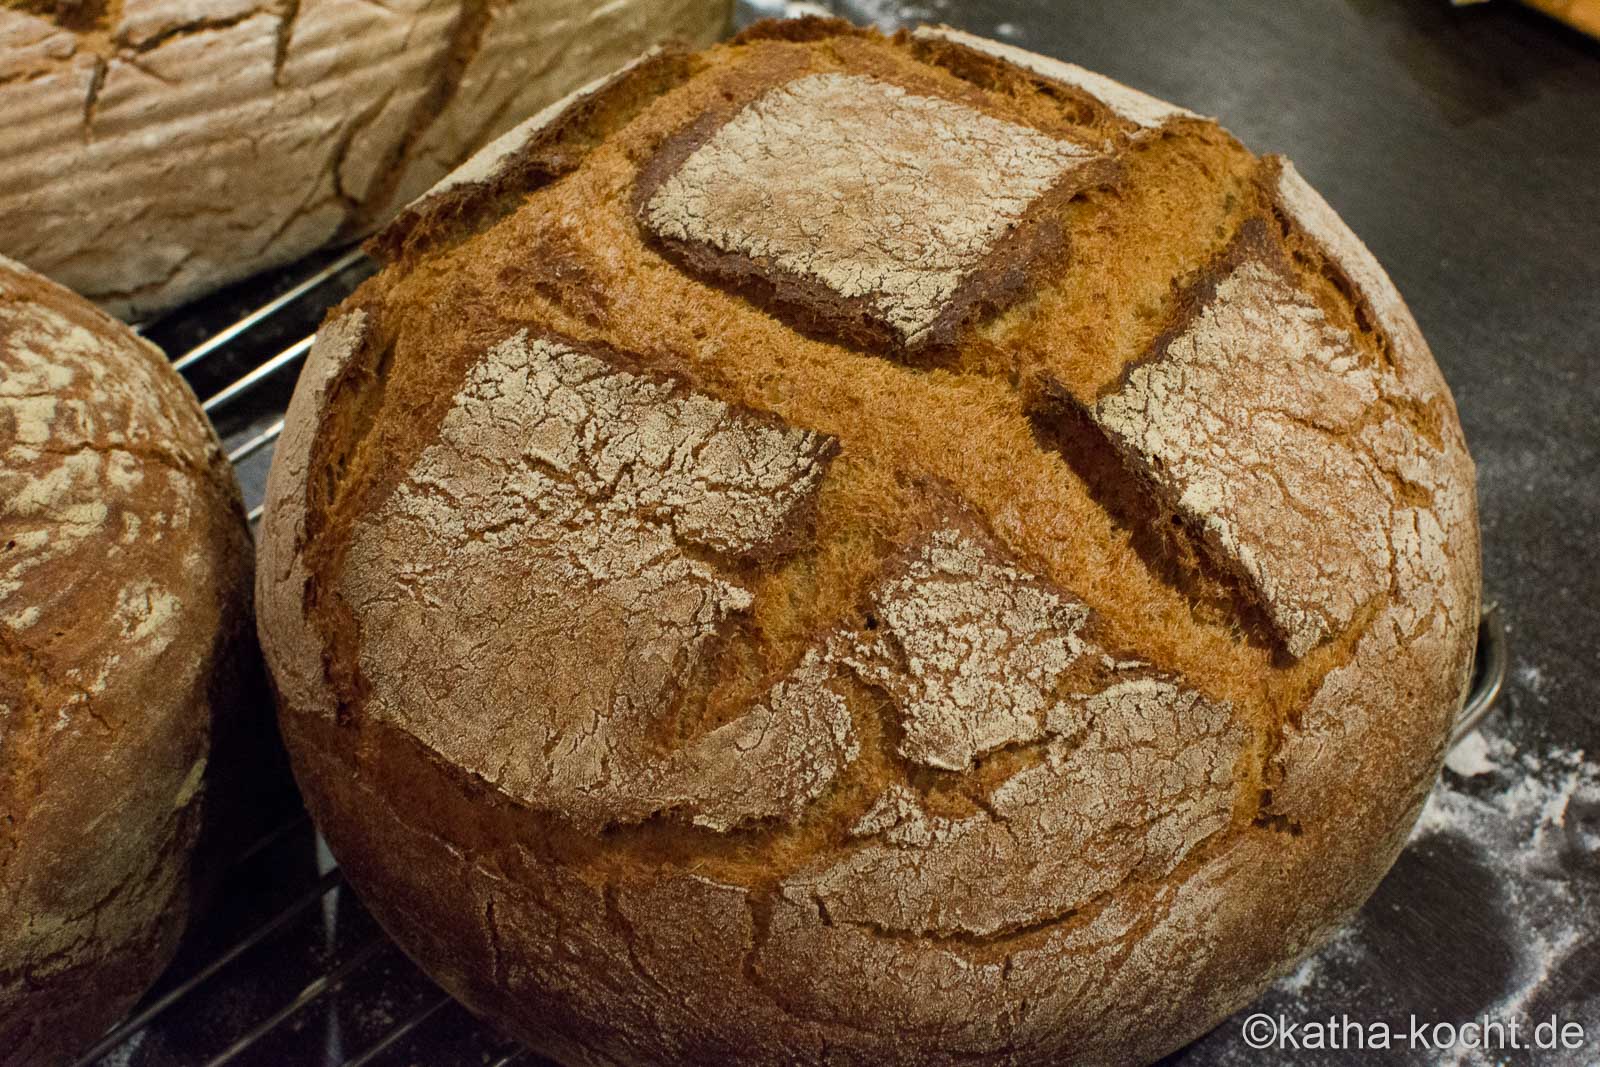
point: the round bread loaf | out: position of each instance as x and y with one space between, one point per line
157 149
124 630
860 550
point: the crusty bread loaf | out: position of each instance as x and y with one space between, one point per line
838 549
124 624
153 150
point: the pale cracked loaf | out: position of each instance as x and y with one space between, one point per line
153 150
125 647
839 549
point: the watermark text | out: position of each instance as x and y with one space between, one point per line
1345 1032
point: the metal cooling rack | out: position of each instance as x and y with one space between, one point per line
287 967
284 967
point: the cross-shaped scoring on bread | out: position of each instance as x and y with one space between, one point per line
717 524
571 487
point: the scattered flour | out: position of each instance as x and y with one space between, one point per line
1470 757
126 1053
1540 822
1531 679
1343 947
891 14
1534 819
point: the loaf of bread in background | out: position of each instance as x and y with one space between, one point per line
153 150
125 607
858 550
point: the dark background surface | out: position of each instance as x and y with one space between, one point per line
1464 146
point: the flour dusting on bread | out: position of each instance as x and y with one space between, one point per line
577 483
970 649
1244 419
1148 775
878 194
124 563
764 586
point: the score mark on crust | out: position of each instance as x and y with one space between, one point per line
862 210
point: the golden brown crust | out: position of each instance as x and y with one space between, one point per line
963 51
124 593
538 150
926 757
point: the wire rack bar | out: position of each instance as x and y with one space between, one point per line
152 1011
219 340
400 1032
312 991
289 355
256 443
1490 677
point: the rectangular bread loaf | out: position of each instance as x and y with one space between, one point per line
154 150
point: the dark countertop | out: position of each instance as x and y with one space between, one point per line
1464 146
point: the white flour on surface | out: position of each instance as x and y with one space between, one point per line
1532 819
884 14
1540 822
1531 678
892 14
1470 757
1342 948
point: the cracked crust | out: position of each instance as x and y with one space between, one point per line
124 591
287 135
680 684
579 486
1135 775
1242 418
1433 532
921 195
970 650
